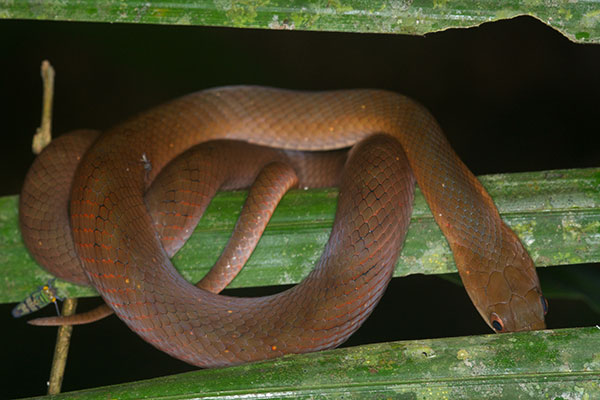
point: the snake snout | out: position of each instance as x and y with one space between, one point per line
520 313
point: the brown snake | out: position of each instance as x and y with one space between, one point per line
124 241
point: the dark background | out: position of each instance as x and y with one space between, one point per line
511 96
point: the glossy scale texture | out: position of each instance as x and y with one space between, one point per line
123 257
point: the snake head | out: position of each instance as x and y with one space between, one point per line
521 307
506 291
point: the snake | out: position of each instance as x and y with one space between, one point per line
125 203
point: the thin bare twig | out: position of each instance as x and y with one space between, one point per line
43 135
61 350
41 139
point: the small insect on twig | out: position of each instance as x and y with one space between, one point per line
37 300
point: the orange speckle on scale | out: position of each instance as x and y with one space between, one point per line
273 348
126 280
229 311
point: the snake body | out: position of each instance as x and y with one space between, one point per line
396 141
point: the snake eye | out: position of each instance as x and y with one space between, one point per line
497 323
544 304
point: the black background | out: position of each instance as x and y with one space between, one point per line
511 96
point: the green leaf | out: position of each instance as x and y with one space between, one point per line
550 364
555 213
578 20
